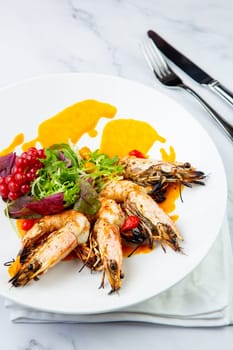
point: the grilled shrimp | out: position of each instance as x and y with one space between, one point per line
107 234
52 248
146 171
154 224
45 225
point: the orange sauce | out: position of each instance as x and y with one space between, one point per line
120 136
72 123
129 249
173 190
168 156
18 140
21 232
173 193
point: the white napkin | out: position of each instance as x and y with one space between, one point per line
202 299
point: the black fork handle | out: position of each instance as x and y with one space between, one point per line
222 123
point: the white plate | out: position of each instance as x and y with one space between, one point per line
63 289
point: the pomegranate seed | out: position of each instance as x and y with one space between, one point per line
30 177
20 178
38 164
13 196
29 158
23 155
25 162
14 170
4 190
25 188
13 186
41 153
17 169
31 174
23 172
33 152
32 149
19 161
2 180
9 178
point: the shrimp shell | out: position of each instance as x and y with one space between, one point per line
51 250
153 172
154 222
107 235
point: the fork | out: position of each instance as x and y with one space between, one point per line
168 77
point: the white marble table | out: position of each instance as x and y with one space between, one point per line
40 37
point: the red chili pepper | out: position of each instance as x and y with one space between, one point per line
27 224
130 223
136 153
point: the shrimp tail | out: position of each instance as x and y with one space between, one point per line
107 234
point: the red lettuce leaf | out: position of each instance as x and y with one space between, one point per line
88 201
49 205
64 159
28 207
17 209
6 163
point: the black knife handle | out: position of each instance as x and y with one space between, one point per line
222 91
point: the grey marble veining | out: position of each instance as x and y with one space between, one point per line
42 37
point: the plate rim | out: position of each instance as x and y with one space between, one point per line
99 75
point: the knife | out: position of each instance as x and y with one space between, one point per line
190 68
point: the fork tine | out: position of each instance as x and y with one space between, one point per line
150 59
154 58
159 56
145 54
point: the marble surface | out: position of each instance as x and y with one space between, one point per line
43 37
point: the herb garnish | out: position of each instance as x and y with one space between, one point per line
80 180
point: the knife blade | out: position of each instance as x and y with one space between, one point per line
190 68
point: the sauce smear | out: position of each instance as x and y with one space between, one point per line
169 157
173 193
72 123
130 250
121 136
18 140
